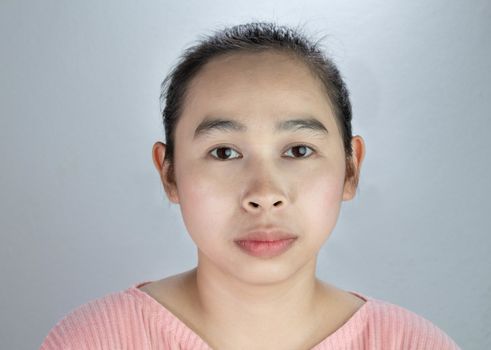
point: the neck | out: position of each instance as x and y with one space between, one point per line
266 305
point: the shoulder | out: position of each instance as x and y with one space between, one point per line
398 327
101 323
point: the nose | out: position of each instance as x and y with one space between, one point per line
263 192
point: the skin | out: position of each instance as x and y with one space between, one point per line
280 301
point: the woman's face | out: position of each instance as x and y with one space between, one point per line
226 192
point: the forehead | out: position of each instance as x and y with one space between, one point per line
256 88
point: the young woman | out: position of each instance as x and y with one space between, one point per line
259 156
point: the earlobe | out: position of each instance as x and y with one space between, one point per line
158 157
348 191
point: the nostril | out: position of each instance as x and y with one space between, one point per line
276 204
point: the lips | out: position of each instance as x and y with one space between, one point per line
266 243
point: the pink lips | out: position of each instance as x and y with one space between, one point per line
266 244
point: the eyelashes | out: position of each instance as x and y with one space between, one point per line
225 151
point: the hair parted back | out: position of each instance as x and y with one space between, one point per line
249 38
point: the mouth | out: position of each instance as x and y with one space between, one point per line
266 249
266 244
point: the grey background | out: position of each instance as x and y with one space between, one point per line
83 213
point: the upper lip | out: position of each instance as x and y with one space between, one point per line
266 234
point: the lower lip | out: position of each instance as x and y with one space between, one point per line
265 249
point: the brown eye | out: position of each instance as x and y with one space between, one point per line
223 153
301 151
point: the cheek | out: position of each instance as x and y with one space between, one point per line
203 207
319 202
322 193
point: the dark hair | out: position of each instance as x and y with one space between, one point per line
255 37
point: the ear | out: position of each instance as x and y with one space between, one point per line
163 168
358 146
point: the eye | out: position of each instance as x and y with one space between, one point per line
301 150
222 151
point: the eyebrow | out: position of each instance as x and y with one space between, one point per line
211 124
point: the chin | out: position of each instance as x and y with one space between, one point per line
264 273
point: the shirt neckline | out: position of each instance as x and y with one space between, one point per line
358 317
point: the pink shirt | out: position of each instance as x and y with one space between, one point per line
132 319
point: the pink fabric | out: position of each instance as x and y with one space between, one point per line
132 319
